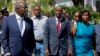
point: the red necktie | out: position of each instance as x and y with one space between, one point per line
58 25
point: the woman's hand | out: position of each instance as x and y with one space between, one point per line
95 53
70 52
73 30
47 52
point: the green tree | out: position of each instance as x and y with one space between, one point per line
1 4
9 5
6 3
46 5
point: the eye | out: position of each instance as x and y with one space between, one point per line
59 10
76 15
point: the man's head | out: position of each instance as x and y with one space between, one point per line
37 10
5 12
76 15
20 8
58 11
1 16
65 14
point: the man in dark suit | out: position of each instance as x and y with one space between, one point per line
57 39
5 12
17 33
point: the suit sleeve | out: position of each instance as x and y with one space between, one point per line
46 34
5 36
70 39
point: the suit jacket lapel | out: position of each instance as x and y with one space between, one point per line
54 24
62 24
25 26
16 23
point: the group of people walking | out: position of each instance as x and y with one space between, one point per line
49 36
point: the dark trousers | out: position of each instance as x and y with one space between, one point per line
59 53
98 53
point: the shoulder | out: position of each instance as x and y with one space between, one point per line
9 18
67 21
44 17
79 23
32 17
51 18
97 25
92 25
28 20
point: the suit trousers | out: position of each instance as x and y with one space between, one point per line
59 53
98 53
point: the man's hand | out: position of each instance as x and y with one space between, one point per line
95 53
70 52
33 54
47 52
7 54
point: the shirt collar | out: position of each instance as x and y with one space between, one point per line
57 19
17 16
34 17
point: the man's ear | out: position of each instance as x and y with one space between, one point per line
17 9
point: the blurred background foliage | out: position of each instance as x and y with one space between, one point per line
47 6
6 3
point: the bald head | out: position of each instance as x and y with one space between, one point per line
18 4
20 8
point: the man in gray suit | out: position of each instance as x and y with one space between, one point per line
57 39
97 31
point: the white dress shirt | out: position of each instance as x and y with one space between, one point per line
18 21
23 29
39 24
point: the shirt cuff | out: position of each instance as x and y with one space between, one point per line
7 54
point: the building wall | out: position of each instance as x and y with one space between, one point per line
64 2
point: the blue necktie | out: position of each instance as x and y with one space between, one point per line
21 25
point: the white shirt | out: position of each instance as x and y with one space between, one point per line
18 21
39 24
74 22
